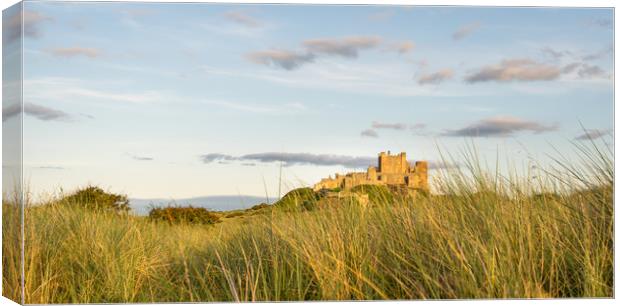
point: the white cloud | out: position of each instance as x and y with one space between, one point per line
592 134
465 30
273 109
515 70
243 18
344 46
288 60
387 79
76 52
369 133
68 89
435 77
401 47
500 126
390 126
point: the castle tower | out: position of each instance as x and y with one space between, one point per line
421 174
380 161
404 165
389 164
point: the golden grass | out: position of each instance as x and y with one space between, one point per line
485 237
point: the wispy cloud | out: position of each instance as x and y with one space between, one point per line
72 89
465 30
592 134
419 129
293 159
87 116
51 168
369 133
440 165
297 159
376 125
142 97
45 113
601 22
388 79
515 70
435 77
12 26
140 158
382 15
212 157
345 47
285 108
132 18
38 111
501 126
348 47
76 52
599 54
391 126
586 71
401 47
243 18
592 71
288 60
555 54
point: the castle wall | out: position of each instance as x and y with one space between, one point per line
329 183
356 179
392 170
393 178
372 174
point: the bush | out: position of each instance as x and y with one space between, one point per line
309 205
298 197
234 214
260 206
376 193
177 215
95 198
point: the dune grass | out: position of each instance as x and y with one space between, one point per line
485 236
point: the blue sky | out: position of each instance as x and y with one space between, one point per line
181 100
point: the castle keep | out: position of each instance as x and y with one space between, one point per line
391 170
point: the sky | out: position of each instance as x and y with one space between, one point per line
174 100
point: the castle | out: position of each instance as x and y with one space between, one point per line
392 170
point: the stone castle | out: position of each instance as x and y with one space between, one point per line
392 170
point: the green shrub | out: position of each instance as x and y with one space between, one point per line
93 197
309 205
260 206
376 193
189 214
297 197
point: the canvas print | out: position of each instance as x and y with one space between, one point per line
218 152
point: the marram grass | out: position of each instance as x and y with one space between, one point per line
485 236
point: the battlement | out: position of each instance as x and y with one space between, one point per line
390 170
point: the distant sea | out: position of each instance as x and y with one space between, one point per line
219 203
